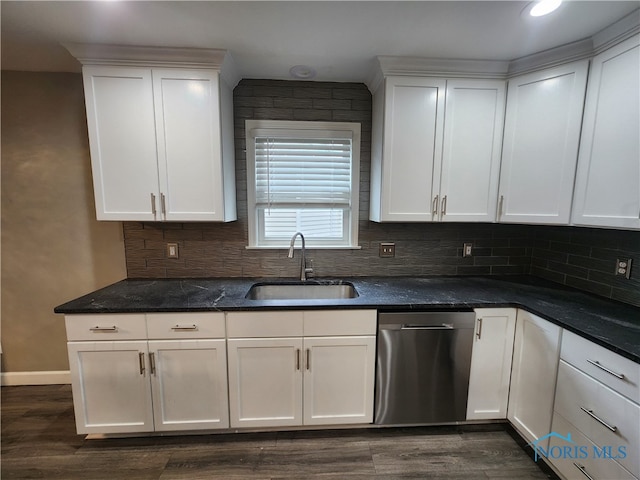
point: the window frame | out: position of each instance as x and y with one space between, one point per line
283 128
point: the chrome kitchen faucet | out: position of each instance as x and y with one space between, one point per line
303 263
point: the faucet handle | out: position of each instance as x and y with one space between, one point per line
308 270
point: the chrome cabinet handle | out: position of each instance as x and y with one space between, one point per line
182 328
104 329
602 367
613 428
153 204
479 332
444 205
434 206
297 359
163 204
308 359
583 470
152 362
141 362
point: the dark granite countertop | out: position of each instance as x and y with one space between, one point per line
611 324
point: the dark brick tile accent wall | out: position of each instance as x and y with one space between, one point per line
585 258
218 250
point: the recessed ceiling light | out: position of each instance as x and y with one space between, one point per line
544 7
302 72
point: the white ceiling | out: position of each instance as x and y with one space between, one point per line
339 39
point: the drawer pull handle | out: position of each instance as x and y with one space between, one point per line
599 420
602 367
308 359
182 328
434 206
479 332
104 329
152 362
297 359
583 470
141 362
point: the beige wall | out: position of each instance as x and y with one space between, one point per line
53 249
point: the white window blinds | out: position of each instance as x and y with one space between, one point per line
302 177
303 172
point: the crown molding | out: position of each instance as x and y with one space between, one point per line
388 65
623 29
583 49
126 55
570 52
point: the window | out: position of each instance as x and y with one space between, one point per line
303 177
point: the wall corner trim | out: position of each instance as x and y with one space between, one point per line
54 377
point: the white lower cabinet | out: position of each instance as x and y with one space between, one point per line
491 363
287 378
338 380
579 461
265 382
536 352
189 384
596 413
146 384
111 389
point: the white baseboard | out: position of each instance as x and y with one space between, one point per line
57 377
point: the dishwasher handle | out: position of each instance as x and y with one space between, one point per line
411 326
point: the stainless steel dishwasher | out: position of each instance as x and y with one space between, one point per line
423 363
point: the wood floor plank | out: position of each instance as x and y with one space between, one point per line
38 440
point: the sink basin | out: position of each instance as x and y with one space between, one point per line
301 291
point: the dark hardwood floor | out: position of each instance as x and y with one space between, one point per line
39 441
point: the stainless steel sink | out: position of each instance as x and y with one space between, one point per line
301 291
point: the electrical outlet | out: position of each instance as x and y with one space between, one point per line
172 250
467 249
387 250
623 268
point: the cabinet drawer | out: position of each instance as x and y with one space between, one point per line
185 325
602 364
585 460
319 323
106 327
604 416
264 324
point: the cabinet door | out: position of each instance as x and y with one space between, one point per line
111 388
189 384
265 382
541 135
189 152
491 363
122 139
412 147
608 179
533 375
471 152
339 380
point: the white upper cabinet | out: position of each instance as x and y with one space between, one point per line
407 143
161 138
189 138
607 190
122 139
474 118
157 144
540 150
436 149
